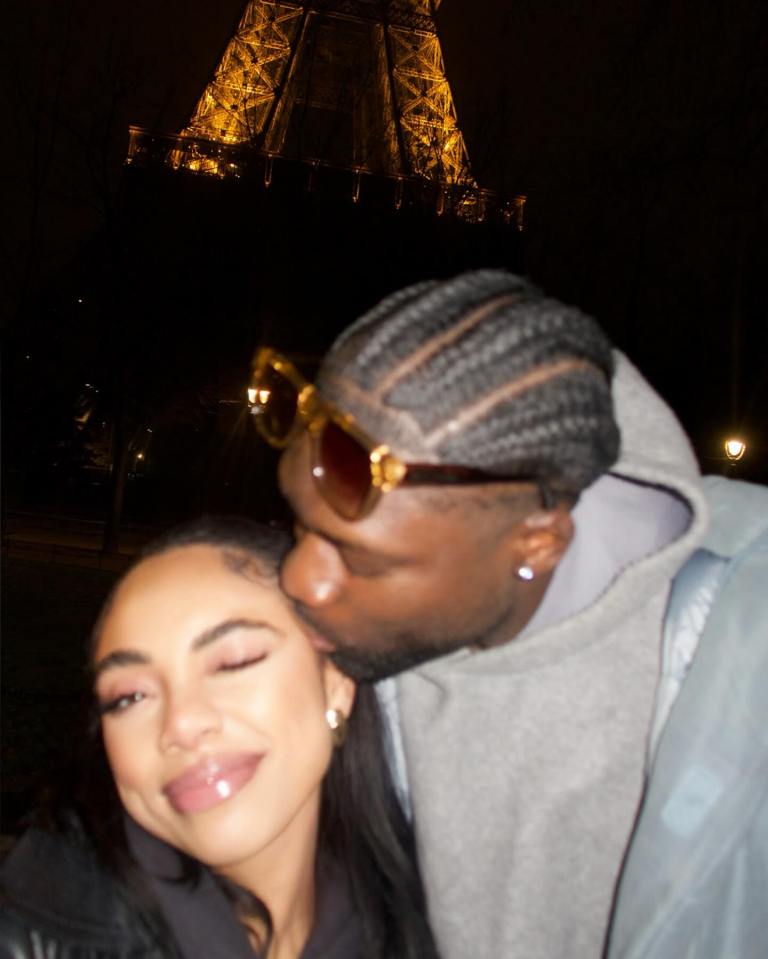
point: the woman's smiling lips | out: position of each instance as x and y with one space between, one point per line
211 781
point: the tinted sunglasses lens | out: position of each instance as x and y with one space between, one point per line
276 400
346 476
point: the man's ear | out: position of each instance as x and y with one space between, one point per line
339 688
545 535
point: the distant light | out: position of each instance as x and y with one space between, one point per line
139 456
735 448
79 299
260 396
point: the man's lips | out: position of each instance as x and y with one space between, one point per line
211 781
320 643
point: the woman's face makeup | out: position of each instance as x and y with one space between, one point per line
213 707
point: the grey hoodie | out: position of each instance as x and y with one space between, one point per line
525 762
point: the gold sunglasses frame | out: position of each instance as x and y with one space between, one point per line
387 471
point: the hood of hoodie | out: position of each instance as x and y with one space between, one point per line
526 761
634 527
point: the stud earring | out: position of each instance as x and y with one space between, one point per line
525 573
337 723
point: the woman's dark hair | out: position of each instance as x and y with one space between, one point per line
363 828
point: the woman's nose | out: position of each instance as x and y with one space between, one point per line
188 719
312 572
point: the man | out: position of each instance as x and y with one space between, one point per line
493 506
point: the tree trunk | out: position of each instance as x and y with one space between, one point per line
118 477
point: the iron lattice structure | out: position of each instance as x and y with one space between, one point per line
352 84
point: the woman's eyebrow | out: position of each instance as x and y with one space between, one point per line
120 657
132 657
209 636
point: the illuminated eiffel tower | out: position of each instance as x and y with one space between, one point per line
351 85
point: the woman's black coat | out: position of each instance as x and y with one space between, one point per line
58 902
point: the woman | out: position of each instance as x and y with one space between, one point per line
235 821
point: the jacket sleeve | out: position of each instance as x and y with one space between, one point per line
16 940
696 873
20 941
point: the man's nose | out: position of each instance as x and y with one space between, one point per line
188 719
312 572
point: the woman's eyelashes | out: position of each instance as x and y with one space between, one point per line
239 650
227 661
119 704
232 666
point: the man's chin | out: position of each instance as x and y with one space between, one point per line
365 664
371 665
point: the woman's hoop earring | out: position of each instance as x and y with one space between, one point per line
337 723
525 573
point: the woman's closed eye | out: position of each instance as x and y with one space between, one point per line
233 665
238 649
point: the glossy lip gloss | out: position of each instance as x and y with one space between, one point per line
211 781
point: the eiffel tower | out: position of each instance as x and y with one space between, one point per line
351 85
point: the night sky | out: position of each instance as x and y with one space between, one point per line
637 130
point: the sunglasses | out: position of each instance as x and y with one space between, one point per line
350 469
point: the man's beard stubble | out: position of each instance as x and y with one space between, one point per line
404 651
370 665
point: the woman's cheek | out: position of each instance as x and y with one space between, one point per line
128 745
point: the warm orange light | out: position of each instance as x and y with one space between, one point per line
249 101
735 448
258 396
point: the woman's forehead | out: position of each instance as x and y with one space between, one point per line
197 561
191 581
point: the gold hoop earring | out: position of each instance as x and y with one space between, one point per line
337 723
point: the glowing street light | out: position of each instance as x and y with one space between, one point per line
735 448
259 396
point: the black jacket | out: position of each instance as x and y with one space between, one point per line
57 902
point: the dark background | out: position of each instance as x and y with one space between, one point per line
636 129
130 306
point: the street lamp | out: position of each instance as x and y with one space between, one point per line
259 396
734 448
